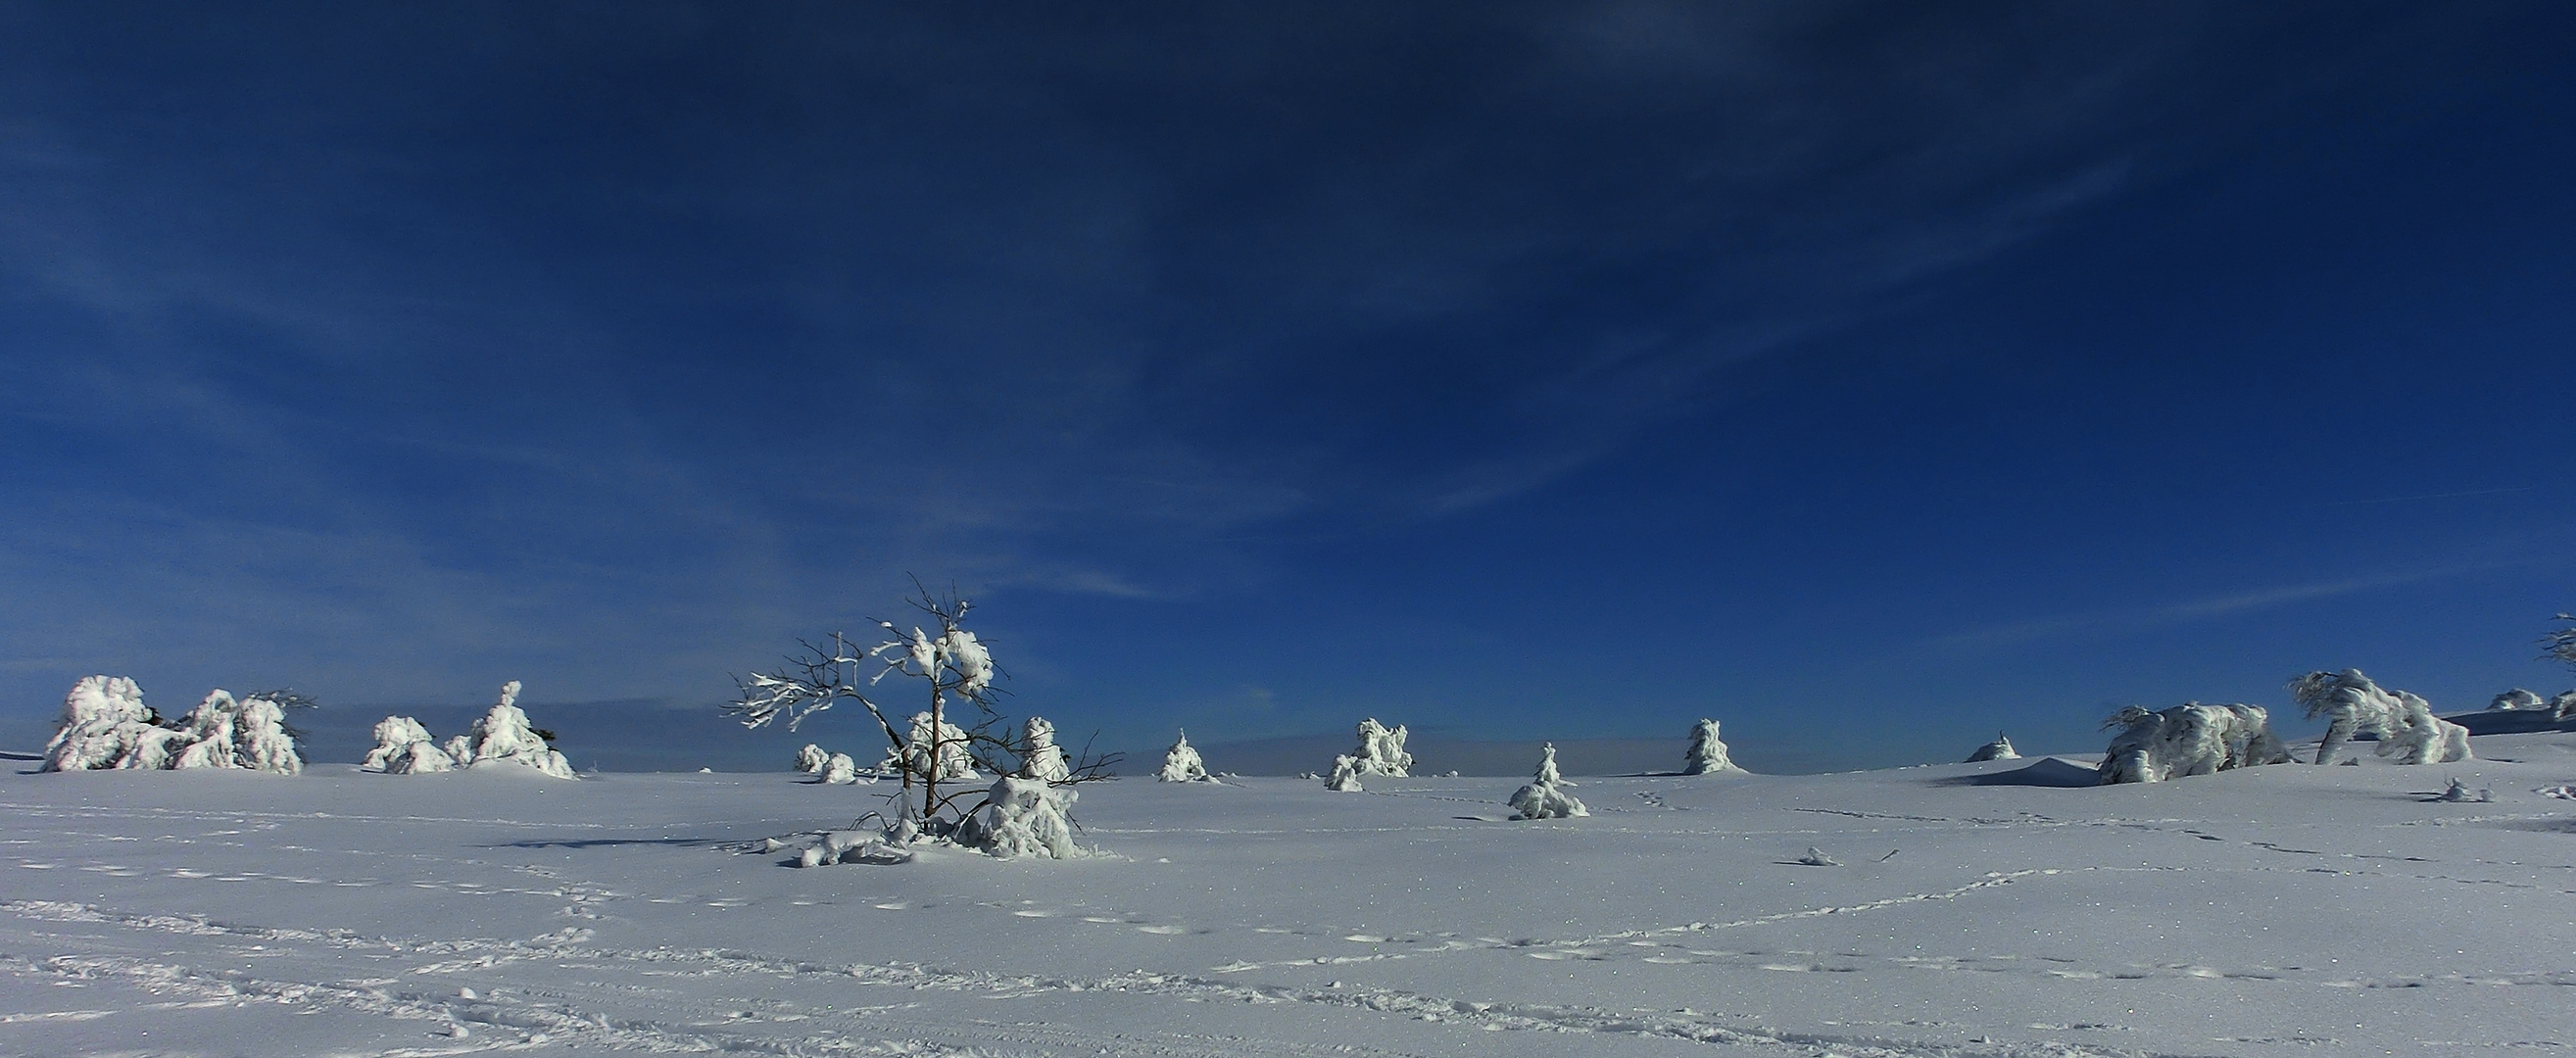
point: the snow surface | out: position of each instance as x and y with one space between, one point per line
1970 910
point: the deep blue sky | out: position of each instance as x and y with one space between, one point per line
1870 377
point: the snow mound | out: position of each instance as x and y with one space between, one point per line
1041 757
1381 751
2517 699
1545 796
1707 752
2188 739
503 738
106 725
1999 749
2419 737
1022 817
838 770
1182 764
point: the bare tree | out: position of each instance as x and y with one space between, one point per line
956 670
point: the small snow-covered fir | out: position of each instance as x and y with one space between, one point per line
1022 817
105 725
1999 749
1707 753
1545 797
1346 775
2349 702
504 738
839 770
2419 737
1181 763
1040 757
1381 750
811 759
2188 739
956 762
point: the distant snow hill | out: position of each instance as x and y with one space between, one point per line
1985 910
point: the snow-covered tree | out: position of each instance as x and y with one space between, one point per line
1707 753
2350 704
838 770
2564 705
261 742
1545 797
106 725
504 738
2188 739
1346 775
2560 643
1181 763
1999 749
403 747
1040 757
2516 700
811 759
2419 737
1381 751
1022 817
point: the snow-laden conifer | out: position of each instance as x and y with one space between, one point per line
1181 763
1346 775
2517 700
2188 739
811 759
1022 817
1544 797
1999 749
1707 753
394 737
839 770
1040 757
1381 750
503 738
261 742
2350 704
2419 737
103 723
956 757
209 728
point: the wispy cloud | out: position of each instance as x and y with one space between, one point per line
2187 611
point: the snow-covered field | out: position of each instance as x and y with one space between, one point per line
1974 909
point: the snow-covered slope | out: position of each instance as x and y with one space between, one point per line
1975 909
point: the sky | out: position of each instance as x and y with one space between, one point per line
1869 377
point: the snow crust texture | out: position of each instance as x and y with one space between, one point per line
2188 739
105 725
1707 753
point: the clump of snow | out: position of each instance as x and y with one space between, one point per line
1707 752
2419 737
2516 700
1346 775
1545 796
105 725
1999 749
811 759
1181 763
504 738
839 770
1381 751
2188 739
913 757
1041 758
2350 704
1022 817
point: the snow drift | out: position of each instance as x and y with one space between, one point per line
2188 739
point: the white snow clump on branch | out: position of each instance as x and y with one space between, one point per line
1545 796
1999 749
105 725
2419 737
811 759
1022 817
913 757
503 737
2188 739
2350 704
1707 754
1041 757
1182 764
403 747
1381 751
2516 700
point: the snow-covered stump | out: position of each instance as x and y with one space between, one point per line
811 759
1707 753
2188 739
1545 797
1346 775
1381 750
1181 763
504 738
838 770
1040 757
2516 700
2419 737
1022 817
1999 749
2350 704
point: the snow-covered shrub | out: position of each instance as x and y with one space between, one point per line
1545 797
811 759
2350 704
1999 749
2419 737
1022 817
2564 705
1381 751
1040 757
2188 739
1346 775
395 735
956 759
2515 700
1707 753
105 725
839 770
1181 763
503 738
